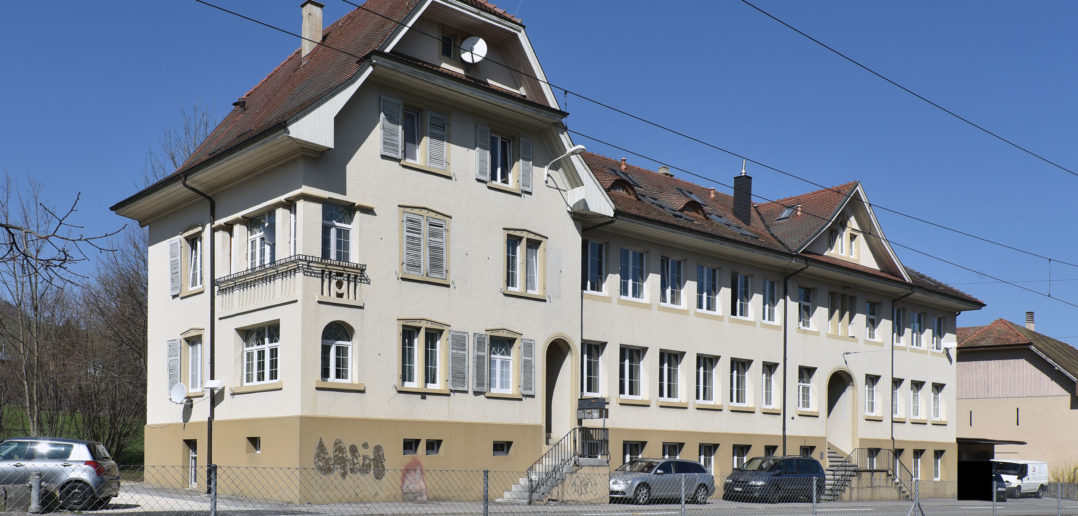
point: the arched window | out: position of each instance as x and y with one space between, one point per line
336 353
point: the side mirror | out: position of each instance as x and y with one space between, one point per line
658 472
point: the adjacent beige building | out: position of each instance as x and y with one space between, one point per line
402 261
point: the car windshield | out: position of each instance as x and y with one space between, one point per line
761 464
1009 468
638 466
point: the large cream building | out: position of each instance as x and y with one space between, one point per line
391 253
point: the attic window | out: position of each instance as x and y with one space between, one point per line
662 206
624 176
787 212
722 220
691 195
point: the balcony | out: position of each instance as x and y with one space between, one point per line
288 279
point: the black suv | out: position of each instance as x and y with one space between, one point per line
775 479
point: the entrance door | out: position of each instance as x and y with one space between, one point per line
840 411
558 419
192 462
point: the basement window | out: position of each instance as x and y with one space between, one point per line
254 445
410 446
501 448
434 446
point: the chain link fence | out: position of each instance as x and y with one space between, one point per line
177 490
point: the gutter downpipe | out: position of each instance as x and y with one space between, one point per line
785 343
210 471
892 425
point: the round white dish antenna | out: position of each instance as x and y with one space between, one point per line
473 50
178 394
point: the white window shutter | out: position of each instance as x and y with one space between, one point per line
436 237
437 136
174 278
525 165
413 243
391 127
527 367
458 361
173 363
479 359
482 153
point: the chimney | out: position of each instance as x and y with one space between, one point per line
1029 321
623 164
312 26
743 196
665 170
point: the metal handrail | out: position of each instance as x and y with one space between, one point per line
885 461
578 442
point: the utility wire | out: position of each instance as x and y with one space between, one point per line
911 92
694 174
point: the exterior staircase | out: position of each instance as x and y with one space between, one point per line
840 471
868 467
560 460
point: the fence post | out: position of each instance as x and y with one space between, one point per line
35 492
814 480
682 494
486 487
1059 498
212 477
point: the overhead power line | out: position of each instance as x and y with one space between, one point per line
911 92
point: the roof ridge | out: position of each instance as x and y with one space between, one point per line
653 172
831 189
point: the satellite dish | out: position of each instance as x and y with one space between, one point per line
473 50
178 394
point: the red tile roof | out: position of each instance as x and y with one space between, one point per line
1003 333
817 208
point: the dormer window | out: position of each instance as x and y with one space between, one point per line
448 46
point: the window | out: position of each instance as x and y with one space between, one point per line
194 262
425 238
872 320
589 368
873 457
806 451
501 448
767 382
254 445
917 329
409 446
853 245
896 409
434 446
260 237
194 364
523 262
770 300
629 386
501 365
738 381
740 453
917 463
431 343
631 450
937 402
192 462
770 450
632 274
804 308
705 378
741 294
260 354
669 362
672 450
409 348
937 464
404 136
670 276
594 266
336 353
897 326
835 241
870 393
336 232
804 387
421 354
915 399
707 289
897 459
937 334
412 140
839 313
501 160
707 456
448 47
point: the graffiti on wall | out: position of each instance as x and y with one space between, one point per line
413 482
350 461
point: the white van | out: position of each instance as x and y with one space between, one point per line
1023 477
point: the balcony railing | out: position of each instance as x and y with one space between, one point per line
279 281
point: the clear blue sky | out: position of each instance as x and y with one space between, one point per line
90 86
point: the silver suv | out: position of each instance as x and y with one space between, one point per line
80 474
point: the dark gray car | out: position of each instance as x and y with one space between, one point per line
80 474
642 480
775 479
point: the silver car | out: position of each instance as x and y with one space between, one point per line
643 480
80 474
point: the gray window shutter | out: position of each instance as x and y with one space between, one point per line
174 267
458 361
437 134
436 248
173 363
525 165
413 243
391 127
479 360
527 367
482 153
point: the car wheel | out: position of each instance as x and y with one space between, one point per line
642 494
75 495
700 496
1041 491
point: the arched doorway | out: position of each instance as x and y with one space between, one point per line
557 386
841 411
